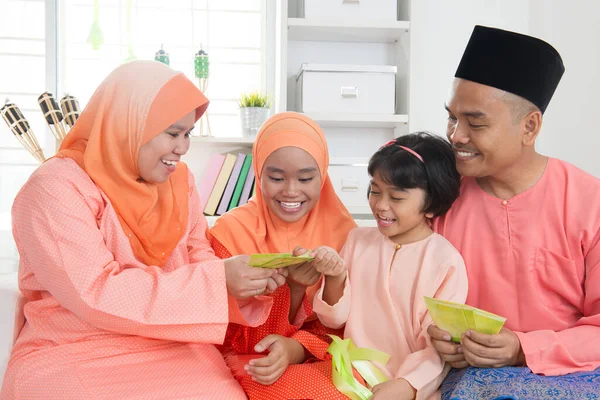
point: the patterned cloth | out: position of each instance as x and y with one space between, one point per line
519 383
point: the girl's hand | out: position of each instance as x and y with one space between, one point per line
302 275
398 389
277 280
283 351
328 262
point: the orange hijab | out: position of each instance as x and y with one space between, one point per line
135 103
252 228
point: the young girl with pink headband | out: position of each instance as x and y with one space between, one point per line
392 267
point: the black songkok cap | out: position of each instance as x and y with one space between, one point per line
519 64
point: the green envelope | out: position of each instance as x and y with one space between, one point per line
456 318
277 260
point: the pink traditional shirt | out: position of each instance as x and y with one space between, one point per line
535 259
383 305
99 323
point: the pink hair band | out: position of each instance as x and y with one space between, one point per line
411 151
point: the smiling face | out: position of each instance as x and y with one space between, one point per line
399 212
290 183
158 158
482 129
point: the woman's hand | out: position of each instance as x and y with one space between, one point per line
244 281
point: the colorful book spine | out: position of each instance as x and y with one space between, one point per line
209 177
220 184
233 178
247 187
237 192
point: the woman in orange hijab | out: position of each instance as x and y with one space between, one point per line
126 299
295 207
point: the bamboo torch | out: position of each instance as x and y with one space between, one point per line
71 110
52 115
19 126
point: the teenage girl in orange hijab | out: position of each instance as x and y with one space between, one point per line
295 207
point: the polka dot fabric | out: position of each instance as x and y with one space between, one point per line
102 325
311 380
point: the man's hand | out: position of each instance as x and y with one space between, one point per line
283 351
450 352
492 351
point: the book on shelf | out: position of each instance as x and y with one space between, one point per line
254 188
209 177
247 187
239 186
231 182
220 185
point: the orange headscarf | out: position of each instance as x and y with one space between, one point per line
252 228
134 104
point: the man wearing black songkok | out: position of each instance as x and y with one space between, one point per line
528 226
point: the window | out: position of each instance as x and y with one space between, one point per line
23 78
230 31
45 49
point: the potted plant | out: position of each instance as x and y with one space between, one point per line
254 111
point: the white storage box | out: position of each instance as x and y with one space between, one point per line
382 10
351 183
346 89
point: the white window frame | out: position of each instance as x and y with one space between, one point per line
9 263
268 20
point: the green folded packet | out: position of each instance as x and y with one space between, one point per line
277 260
456 318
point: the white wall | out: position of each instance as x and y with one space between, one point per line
571 124
439 33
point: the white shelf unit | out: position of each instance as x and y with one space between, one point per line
222 142
300 29
360 120
343 41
